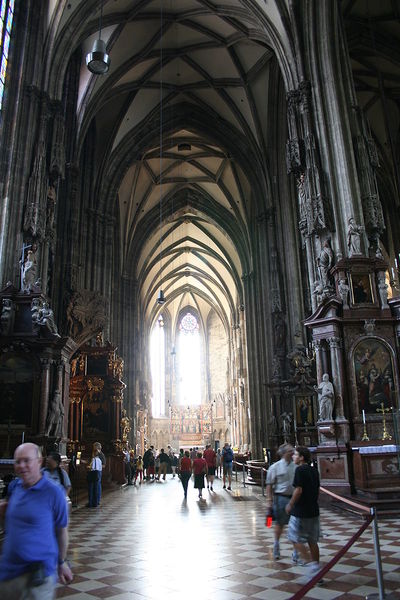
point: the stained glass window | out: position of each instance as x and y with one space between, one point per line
189 323
6 19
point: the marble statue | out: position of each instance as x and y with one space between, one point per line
46 319
354 237
343 290
383 290
325 262
29 270
326 397
55 416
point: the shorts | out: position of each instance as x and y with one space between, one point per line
281 516
227 467
211 470
303 530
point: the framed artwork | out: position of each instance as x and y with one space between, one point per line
361 289
304 411
373 370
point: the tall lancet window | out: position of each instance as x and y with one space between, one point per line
6 19
157 362
189 349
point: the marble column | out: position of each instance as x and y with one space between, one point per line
337 374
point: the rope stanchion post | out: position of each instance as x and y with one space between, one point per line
378 560
244 475
262 481
236 470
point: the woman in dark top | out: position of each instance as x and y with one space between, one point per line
185 471
199 470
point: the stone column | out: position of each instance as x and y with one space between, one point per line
338 377
44 394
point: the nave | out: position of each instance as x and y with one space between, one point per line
144 542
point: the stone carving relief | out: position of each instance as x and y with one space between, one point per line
86 315
43 316
302 366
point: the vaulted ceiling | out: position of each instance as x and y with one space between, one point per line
181 122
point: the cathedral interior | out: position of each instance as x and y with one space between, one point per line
199 229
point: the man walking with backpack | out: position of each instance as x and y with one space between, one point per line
227 458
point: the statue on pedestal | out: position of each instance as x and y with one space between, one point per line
325 262
354 237
326 398
55 416
29 269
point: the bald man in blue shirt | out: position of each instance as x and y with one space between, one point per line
36 540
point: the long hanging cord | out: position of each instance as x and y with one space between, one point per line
161 133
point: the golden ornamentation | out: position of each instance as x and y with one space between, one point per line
95 385
125 426
385 434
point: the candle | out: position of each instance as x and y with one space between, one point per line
363 414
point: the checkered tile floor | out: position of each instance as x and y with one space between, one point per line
144 542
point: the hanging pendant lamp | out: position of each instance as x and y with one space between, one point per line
98 61
160 298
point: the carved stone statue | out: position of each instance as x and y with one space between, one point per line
383 290
286 423
35 310
7 314
326 398
29 270
55 416
343 290
46 319
325 262
354 237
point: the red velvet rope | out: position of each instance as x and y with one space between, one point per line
333 561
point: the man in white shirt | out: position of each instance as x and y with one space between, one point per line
279 491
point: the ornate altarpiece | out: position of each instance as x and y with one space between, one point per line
96 397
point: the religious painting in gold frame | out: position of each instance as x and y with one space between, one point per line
362 291
304 411
373 371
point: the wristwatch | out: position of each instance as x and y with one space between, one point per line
61 562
